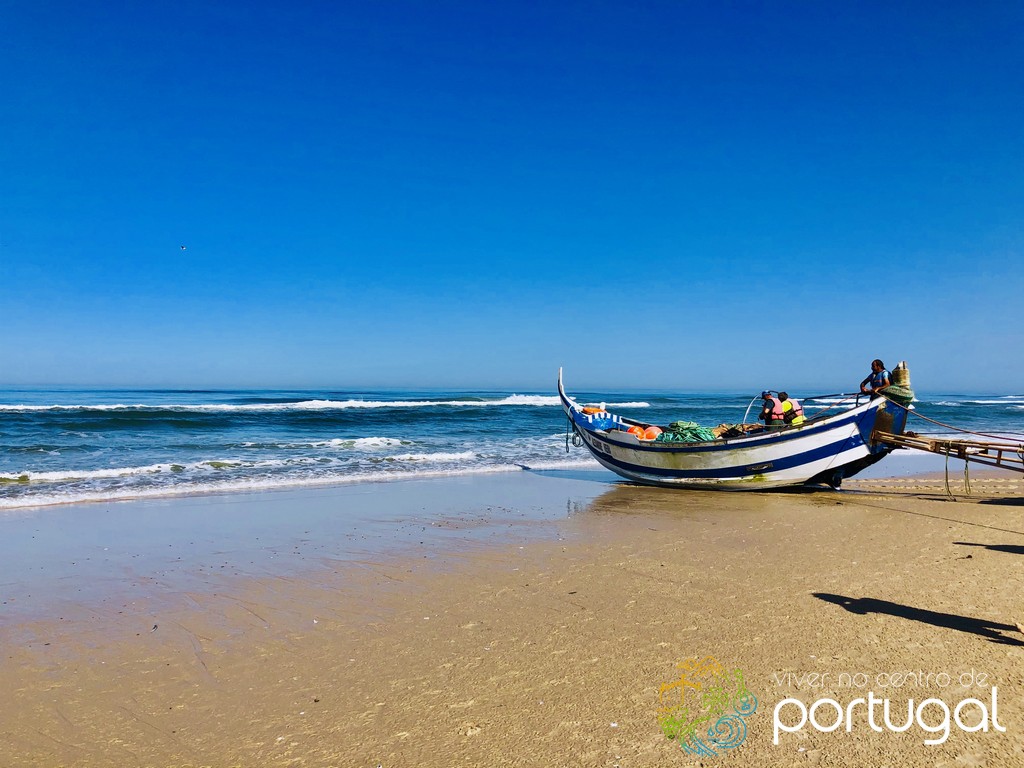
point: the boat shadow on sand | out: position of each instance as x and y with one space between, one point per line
992 631
623 498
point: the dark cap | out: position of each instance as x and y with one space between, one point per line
766 393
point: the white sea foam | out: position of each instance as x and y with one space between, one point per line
170 468
588 463
357 443
543 400
429 457
90 474
639 404
186 472
242 486
304 405
364 443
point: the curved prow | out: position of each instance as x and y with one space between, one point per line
568 404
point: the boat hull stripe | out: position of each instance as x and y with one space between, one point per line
772 438
739 471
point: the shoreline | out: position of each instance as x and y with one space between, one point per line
179 540
243 487
905 463
522 619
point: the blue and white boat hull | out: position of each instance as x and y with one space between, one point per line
823 450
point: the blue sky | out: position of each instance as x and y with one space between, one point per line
651 194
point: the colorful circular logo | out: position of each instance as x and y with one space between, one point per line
706 709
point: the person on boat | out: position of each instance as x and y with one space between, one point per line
771 414
877 380
792 411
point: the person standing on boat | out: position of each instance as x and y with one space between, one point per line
877 380
771 414
792 411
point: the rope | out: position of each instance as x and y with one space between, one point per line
577 438
847 397
962 431
948 492
967 463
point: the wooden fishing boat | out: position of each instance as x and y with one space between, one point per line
824 450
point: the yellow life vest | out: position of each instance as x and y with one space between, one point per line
797 410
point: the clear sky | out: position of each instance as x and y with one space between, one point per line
717 195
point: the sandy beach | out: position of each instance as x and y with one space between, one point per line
526 620
328 325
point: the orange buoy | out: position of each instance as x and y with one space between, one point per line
651 433
591 409
638 431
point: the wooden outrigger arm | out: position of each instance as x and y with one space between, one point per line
991 453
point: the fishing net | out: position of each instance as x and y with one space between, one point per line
686 432
901 395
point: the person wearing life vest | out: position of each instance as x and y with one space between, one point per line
792 411
771 414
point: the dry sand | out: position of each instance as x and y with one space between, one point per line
526 651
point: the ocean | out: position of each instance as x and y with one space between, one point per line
63 445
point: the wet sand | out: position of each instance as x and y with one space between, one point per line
527 619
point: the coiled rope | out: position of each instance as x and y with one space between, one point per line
572 434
